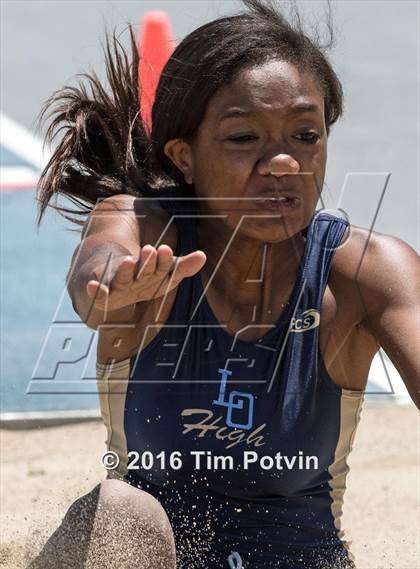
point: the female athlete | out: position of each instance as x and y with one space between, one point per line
236 323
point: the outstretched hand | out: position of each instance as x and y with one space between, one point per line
128 280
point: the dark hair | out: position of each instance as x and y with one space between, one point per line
106 150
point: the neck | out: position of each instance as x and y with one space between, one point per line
247 271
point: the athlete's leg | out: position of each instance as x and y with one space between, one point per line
114 525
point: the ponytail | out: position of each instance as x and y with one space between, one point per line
105 148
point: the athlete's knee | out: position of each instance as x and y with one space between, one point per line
115 524
119 496
124 510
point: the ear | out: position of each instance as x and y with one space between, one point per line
180 153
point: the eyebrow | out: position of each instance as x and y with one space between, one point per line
236 112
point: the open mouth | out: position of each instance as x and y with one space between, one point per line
280 204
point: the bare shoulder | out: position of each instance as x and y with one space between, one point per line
123 203
375 268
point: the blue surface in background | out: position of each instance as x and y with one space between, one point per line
9 158
34 267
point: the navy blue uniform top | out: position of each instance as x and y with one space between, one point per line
244 443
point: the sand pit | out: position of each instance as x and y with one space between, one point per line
44 470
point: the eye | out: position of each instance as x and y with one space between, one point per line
242 139
308 137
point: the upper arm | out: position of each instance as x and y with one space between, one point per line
388 279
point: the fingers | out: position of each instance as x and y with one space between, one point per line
97 291
155 272
166 261
148 260
189 265
125 272
155 262
161 262
171 270
123 277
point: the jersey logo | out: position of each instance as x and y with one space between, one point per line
309 319
244 404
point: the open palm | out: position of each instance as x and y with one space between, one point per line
128 280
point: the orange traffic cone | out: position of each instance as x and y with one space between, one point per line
155 45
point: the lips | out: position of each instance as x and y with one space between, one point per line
283 201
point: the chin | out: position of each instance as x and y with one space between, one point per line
278 228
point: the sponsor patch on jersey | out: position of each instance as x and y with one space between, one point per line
306 321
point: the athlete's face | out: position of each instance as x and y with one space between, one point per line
278 148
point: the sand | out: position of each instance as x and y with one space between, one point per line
44 470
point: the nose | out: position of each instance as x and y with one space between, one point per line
279 165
